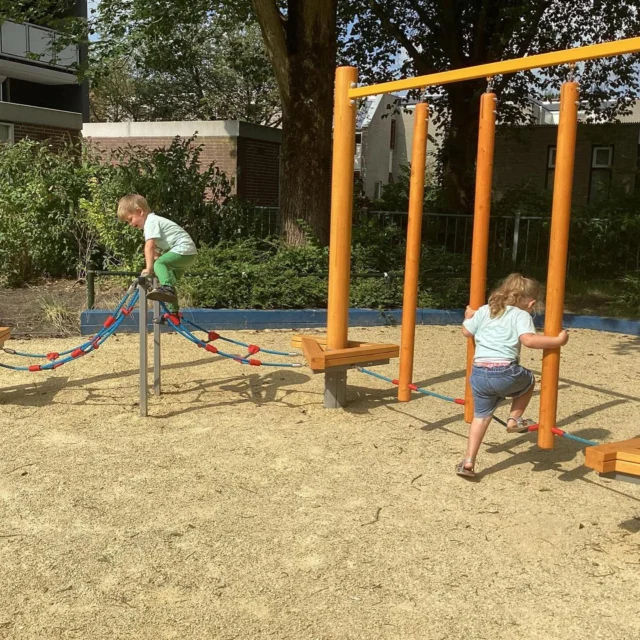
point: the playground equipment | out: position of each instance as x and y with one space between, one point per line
136 295
616 460
346 94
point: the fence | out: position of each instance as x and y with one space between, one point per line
522 242
515 242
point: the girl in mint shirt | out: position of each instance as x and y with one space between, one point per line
500 328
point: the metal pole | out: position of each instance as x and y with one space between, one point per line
481 220
516 237
142 330
412 258
558 249
91 289
157 361
344 141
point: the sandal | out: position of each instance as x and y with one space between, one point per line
522 425
462 470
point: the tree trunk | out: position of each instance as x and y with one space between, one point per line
460 147
302 47
305 160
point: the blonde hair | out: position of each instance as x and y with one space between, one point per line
128 204
512 290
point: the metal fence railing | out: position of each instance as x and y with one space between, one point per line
515 242
523 241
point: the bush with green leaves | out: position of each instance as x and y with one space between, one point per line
39 224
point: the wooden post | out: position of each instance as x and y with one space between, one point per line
481 216
558 249
414 241
344 140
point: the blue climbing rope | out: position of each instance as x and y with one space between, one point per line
238 342
185 333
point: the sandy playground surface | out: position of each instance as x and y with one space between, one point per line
243 509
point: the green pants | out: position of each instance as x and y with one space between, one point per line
170 267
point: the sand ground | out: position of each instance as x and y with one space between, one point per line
243 509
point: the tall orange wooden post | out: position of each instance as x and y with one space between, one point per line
344 140
558 249
481 216
414 241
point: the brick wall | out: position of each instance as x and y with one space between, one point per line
259 171
57 136
222 151
521 157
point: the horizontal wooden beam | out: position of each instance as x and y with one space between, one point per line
566 56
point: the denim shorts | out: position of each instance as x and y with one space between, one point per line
489 385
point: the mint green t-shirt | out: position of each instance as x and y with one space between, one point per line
499 338
168 235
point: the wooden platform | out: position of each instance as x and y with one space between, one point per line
616 457
5 334
356 353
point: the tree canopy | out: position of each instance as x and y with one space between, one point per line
390 38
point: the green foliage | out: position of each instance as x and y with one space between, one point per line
395 196
57 213
259 274
38 220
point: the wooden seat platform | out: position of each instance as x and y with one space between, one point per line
5 334
615 458
356 353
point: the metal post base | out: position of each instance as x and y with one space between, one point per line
335 389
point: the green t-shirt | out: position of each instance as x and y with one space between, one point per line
499 338
168 235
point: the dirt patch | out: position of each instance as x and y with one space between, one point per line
243 509
52 308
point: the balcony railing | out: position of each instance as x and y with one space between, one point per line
28 43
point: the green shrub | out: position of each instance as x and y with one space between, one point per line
38 211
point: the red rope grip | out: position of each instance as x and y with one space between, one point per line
459 400
35 367
253 348
127 310
396 381
211 348
213 335
254 363
53 356
109 321
77 353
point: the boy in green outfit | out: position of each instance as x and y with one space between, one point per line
168 249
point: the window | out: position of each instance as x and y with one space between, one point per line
600 177
551 168
377 190
392 139
6 132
